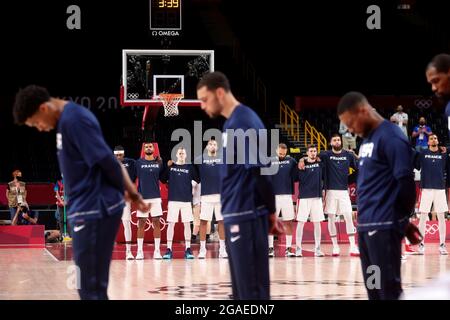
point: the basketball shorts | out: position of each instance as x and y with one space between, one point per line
174 209
155 209
126 215
434 197
337 202
211 204
310 207
284 206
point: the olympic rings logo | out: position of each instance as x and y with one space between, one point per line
148 222
423 103
431 228
133 96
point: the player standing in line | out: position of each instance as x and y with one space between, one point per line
309 203
129 165
94 182
248 201
433 164
149 171
386 194
209 172
283 187
337 163
180 176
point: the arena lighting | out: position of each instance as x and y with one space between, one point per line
405 4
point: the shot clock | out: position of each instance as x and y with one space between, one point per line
165 14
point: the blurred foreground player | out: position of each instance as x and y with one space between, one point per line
386 194
248 202
94 182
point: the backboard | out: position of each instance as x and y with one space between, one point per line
148 73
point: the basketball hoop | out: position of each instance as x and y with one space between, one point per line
170 102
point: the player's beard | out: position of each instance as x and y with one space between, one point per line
148 153
335 148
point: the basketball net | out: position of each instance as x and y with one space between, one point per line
170 103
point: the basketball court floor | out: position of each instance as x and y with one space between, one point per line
48 274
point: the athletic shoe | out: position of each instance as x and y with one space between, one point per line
271 253
409 249
140 255
421 249
167 255
354 252
442 249
223 253
188 254
157 255
202 254
289 253
298 252
129 256
318 253
336 251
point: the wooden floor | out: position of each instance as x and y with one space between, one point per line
47 274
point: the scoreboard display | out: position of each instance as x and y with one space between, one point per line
165 14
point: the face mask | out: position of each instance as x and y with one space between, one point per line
422 123
19 178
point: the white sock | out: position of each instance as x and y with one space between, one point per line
422 224
187 234
271 241
332 229
288 241
299 234
170 232
128 245
157 243
140 242
317 234
442 227
221 244
203 244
